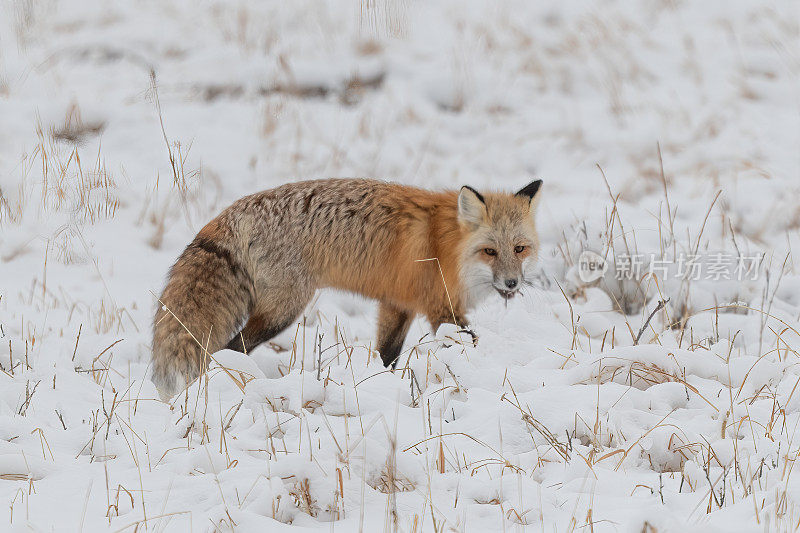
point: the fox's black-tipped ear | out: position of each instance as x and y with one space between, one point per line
530 189
471 206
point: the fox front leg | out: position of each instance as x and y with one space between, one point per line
393 324
440 318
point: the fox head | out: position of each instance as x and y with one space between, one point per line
501 245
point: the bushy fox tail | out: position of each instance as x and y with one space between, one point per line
208 295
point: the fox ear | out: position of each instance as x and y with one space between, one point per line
529 191
471 206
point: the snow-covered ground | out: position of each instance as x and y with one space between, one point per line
125 126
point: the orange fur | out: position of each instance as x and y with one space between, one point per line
415 251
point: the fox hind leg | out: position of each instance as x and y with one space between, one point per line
393 324
258 330
273 312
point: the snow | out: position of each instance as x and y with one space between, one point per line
558 419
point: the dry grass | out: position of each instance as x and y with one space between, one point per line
60 176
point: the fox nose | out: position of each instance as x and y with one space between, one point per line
511 283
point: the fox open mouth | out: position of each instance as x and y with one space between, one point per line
506 295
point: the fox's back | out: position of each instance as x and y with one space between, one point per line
353 234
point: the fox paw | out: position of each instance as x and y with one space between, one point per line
471 334
449 334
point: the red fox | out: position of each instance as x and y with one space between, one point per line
259 263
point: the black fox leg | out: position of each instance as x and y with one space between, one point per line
271 316
393 324
460 321
446 318
258 330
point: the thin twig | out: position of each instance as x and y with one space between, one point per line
658 308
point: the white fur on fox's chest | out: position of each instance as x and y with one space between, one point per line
476 283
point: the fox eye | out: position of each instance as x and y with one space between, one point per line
519 249
490 252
